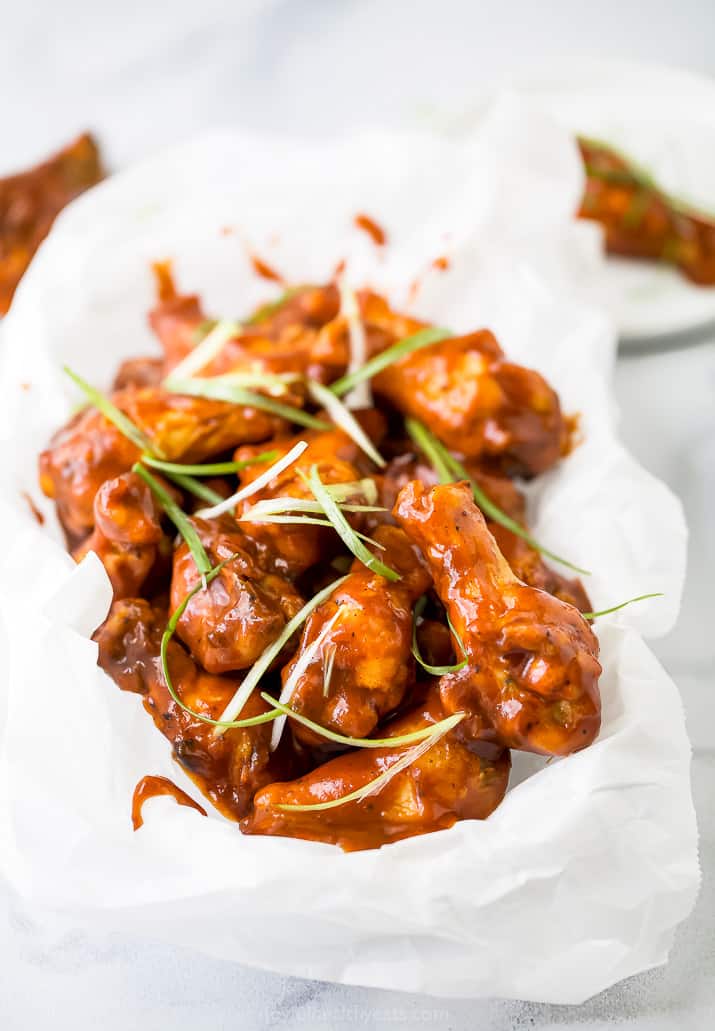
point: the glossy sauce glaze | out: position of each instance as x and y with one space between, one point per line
520 662
153 786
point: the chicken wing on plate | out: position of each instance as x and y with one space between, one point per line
533 667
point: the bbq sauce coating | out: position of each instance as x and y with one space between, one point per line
533 660
449 782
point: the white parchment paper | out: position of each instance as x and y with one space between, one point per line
582 874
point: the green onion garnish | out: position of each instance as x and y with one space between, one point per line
344 418
423 338
435 671
361 396
304 660
178 518
272 651
252 721
344 530
449 469
350 742
438 730
271 307
176 472
220 388
328 664
615 608
211 468
205 351
110 411
228 504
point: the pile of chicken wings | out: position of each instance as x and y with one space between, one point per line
522 660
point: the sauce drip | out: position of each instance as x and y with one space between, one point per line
368 225
442 263
153 786
33 508
264 270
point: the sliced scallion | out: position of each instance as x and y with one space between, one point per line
438 730
217 388
264 661
343 418
209 469
254 486
615 608
435 671
423 338
344 530
205 351
110 411
450 469
179 519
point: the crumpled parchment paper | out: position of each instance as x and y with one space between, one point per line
582 874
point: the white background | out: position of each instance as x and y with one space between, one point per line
143 75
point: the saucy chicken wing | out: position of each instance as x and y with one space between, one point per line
479 404
30 202
229 768
533 668
127 533
640 220
244 608
451 781
339 460
366 625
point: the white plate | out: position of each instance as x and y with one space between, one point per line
665 119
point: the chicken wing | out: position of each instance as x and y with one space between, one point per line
367 623
30 202
229 768
127 533
90 449
339 460
451 781
640 220
479 404
243 609
533 666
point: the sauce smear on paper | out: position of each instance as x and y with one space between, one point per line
375 231
151 787
264 270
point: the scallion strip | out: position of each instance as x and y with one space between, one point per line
350 742
423 338
110 411
205 351
344 418
450 467
259 483
178 518
438 730
428 445
615 608
217 389
211 468
344 530
264 661
252 721
304 660
271 307
435 671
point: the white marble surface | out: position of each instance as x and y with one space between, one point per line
145 75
